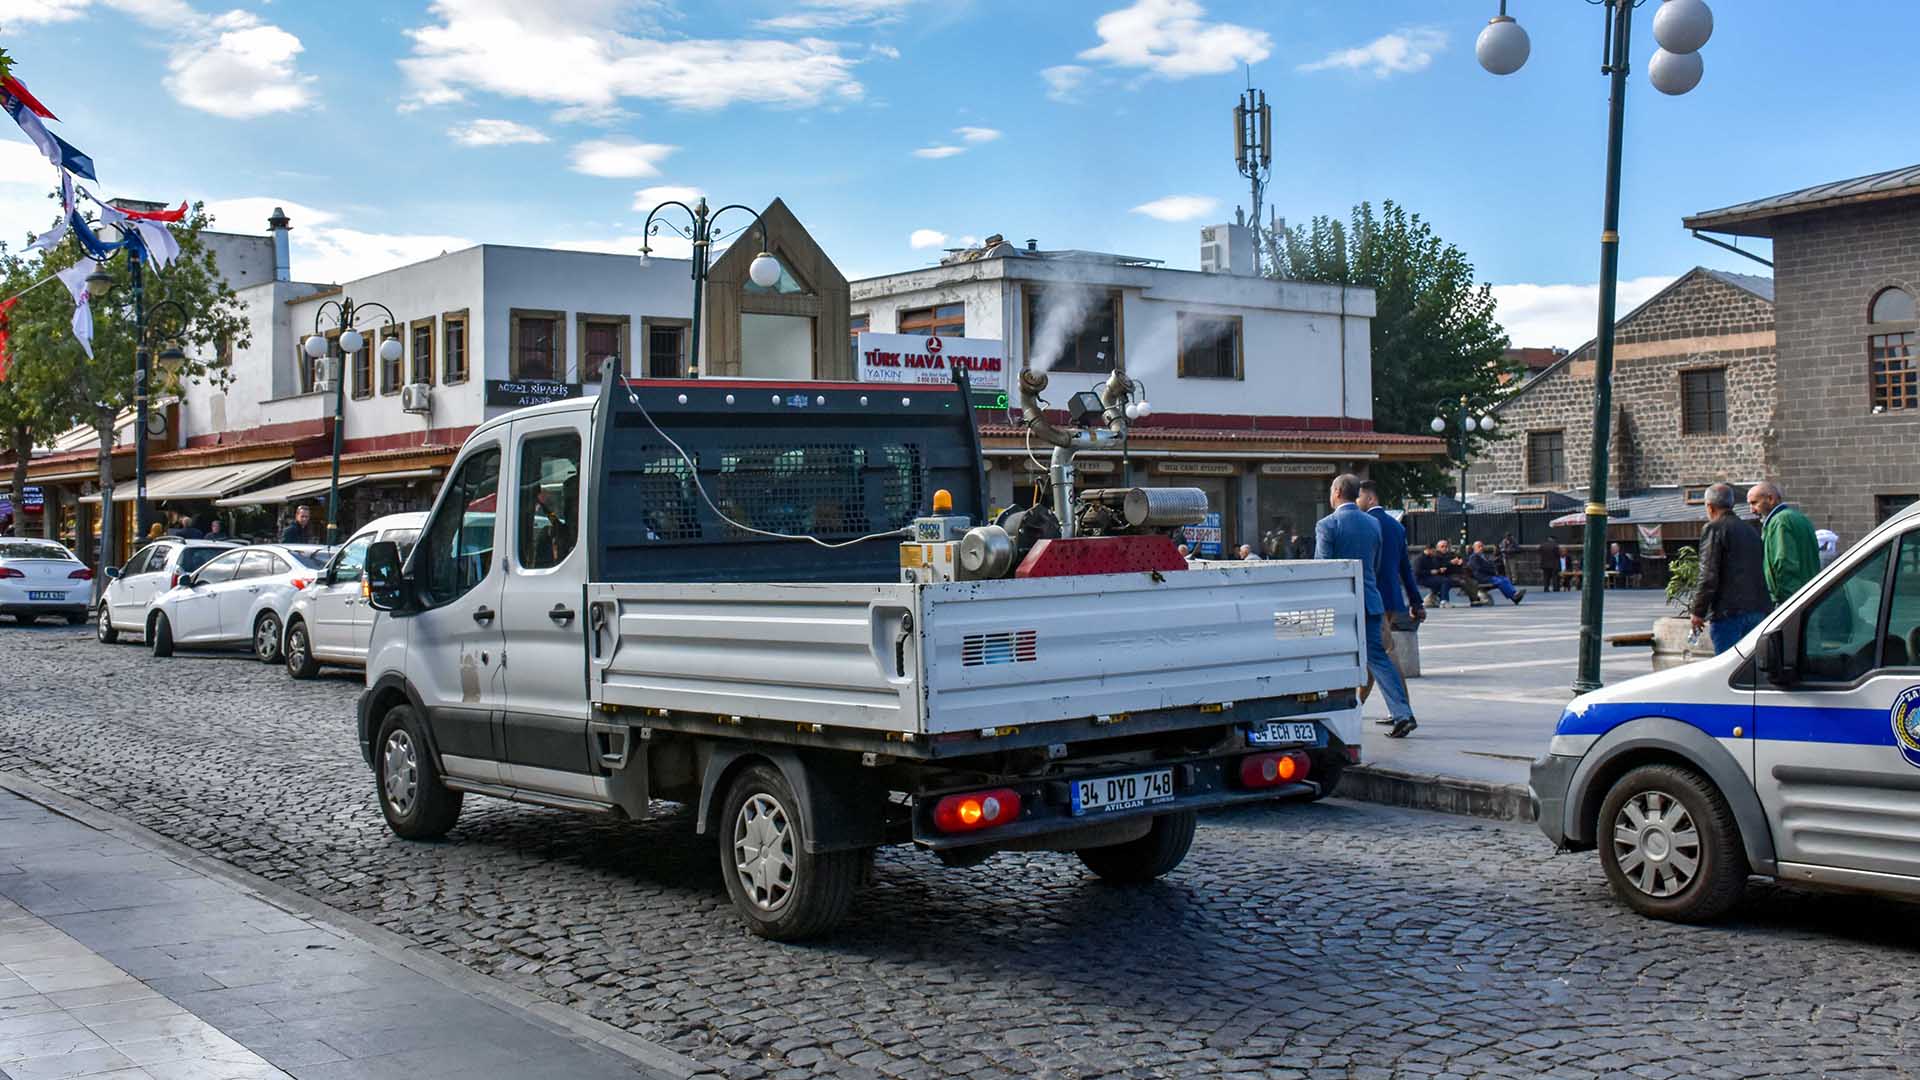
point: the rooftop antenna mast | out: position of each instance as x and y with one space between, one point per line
1253 143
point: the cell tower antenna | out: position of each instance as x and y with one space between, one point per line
1253 142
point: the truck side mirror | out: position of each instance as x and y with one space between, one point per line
386 587
1773 658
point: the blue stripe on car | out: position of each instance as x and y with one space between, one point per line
1781 723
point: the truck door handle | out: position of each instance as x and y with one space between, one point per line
561 614
483 614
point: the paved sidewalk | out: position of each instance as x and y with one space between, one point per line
117 960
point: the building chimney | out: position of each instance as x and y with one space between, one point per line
1032 244
279 226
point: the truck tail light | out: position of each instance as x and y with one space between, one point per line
8 571
82 574
1272 770
976 810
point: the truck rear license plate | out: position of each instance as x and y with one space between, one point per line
38 594
1281 732
1110 793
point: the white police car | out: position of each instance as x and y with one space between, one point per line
1794 755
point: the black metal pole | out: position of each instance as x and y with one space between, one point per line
1593 554
142 374
701 237
339 417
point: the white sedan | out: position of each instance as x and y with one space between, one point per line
239 598
40 577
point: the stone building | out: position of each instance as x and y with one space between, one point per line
1694 399
1847 259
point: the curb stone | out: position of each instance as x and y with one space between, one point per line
1445 794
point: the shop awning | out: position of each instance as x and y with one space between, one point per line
296 490
209 482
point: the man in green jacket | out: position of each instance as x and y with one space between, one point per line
1793 555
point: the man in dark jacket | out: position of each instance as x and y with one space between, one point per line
1550 563
1732 593
1430 573
1485 571
301 530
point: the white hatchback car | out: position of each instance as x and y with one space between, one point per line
330 621
240 597
154 569
40 577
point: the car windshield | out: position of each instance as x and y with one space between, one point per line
33 551
312 560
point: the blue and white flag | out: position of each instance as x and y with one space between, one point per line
57 150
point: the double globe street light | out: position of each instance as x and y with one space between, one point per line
351 342
1681 28
1464 424
764 270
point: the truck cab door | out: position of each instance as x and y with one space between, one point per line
1837 752
545 724
455 649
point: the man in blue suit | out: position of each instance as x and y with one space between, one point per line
1349 533
1399 591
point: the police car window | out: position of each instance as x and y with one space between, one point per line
1840 642
1901 642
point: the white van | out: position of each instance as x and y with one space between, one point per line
1794 755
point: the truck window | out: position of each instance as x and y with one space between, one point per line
1841 642
458 542
549 499
1901 642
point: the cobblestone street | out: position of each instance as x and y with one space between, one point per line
1339 939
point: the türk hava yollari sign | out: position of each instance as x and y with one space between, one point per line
917 358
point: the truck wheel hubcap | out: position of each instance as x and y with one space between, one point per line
1656 844
400 771
763 851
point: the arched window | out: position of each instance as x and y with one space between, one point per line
1893 305
1893 354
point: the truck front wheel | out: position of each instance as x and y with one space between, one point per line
416 804
783 892
1153 855
1670 846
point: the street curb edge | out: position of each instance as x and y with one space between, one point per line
1444 794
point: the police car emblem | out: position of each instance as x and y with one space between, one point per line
1906 724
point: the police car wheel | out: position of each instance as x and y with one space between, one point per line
1670 846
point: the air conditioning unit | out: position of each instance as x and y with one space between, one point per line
1227 249
416 398
323 386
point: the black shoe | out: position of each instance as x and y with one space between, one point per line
1519 595
1403 728
1386 721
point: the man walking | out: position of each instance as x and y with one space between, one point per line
1348 533
301 531
1486 572
1733 578
1399 592
1792 550
1550 563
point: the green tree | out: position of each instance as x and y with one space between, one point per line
1435 338
21 422
62 381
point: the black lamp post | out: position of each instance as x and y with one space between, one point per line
99 284
764 271
1680 27
1457 429
346 314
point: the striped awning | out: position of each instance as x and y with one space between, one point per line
297 490
188 485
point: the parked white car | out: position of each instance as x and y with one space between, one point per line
330 621
240 597
40 577
154 569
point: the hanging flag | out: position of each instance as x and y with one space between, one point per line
46 240
6 358
158 242
75 279
19 89
58 150
171 216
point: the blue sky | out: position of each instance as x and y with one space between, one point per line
392 130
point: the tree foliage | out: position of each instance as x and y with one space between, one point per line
1435 338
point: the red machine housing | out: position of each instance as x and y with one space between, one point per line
1100 555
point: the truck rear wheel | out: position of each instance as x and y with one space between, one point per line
416 804
783 892
1670 846
1137 862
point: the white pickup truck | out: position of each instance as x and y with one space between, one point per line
604 610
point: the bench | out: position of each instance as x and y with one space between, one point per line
1641 640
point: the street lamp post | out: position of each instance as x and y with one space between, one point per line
1680 27
1462 425
99 284
346 314
764 271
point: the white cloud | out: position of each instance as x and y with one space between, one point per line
494 133
619 157
664 246
1564 315
976 134
1179 207
27 12
834 14
323 249
1064 81
1173 38
646 199
926 238
582 53
938 152
1398 53
887 51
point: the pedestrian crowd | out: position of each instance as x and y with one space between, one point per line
1745 574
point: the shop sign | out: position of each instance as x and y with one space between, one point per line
1204 538
1196 468
1652 544
1080 465
520 393
1297 468
917 358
